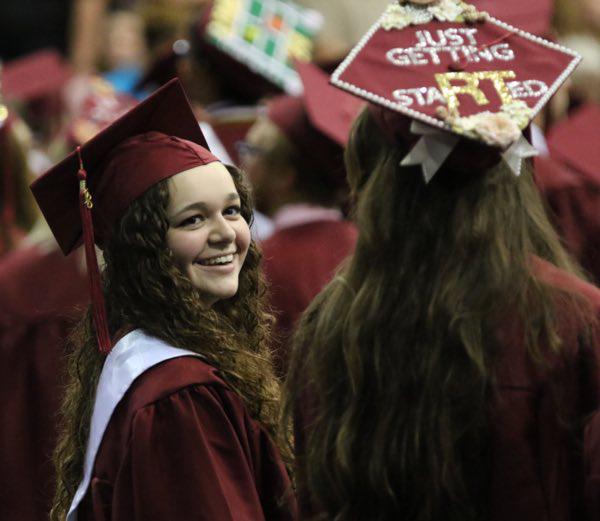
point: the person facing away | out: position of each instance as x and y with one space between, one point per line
171 398
447 372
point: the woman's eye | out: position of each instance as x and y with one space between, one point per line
232 210
191 221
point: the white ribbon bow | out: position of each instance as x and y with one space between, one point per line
436 145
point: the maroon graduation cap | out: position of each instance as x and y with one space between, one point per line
34 76
576 142
318 123
446 66
84 196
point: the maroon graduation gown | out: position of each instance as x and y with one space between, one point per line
539 471
574 201
538 466
298 262
41 295
181 446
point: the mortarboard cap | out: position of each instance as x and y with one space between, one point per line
257 41
575 142
34 76
330 111
318 123
90 190
455 72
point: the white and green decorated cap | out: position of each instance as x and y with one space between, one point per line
266 36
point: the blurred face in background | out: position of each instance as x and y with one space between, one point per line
266 160
125 43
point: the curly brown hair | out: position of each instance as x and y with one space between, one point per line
397 354
144 289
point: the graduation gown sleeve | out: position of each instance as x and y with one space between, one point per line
194 454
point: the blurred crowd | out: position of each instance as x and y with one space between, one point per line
69 68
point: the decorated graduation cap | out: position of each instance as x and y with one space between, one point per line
456 74
318 122
258 41
85 195
99 108
575 142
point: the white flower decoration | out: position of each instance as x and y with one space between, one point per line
419 12
447 10
467 124
494 128
498 129
519 112
399 17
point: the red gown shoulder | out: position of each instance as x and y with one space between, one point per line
539 470
42 294
181 445
298 263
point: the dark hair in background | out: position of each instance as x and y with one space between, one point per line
145 290
315 181
397 354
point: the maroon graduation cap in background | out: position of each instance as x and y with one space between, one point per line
35 76
576 142
318 123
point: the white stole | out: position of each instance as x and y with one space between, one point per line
131 356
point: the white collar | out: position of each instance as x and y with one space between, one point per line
296 214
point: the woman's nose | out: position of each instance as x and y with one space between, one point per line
221 231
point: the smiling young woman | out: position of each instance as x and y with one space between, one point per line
207 234
176 421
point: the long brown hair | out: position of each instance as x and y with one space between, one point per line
144 289
393 363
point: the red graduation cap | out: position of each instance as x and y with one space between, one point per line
34 76
445 65
330 111
318 123
157 139
576 142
